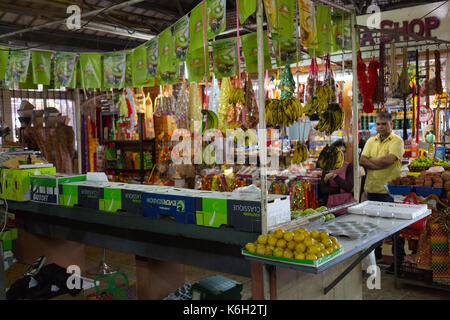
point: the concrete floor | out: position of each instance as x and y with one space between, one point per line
126 264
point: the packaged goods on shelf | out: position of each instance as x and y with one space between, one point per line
45 187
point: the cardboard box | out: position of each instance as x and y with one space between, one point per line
15 183
241 211
86 194
176 203
45 188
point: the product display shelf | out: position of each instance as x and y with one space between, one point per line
140 143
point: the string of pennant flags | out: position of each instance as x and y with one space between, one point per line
157 62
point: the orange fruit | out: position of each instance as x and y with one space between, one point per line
291 245
299 237
300 256
288 254
281 243
278 233
300 248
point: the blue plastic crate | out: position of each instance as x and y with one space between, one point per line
402 190
426 191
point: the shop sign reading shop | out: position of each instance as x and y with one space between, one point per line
431 20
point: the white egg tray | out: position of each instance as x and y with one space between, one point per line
389 210
351 229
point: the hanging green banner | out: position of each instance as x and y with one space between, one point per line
225 58
286 51
129 70
18 63
76 79
91 70
4 56
29 83
246 9
140 65
307 30
114 69
169 67
196 28
216 13
41 62
323 29
250 50
341 38
195 65
152 58
280 15
181 38
64 68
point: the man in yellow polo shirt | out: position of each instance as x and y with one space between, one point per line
382 157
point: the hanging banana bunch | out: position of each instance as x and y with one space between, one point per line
330 158
319 102
237 95
300 153
283 112
331 120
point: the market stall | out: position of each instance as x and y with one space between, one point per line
229 150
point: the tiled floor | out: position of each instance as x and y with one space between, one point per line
126 264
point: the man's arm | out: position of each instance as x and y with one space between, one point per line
378 163
366 163
384 162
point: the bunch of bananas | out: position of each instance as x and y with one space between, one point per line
331 120
283 112
300 153
319 102
236 96
330 158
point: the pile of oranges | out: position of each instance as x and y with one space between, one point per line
299 244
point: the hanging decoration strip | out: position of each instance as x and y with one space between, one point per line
367 86
157 61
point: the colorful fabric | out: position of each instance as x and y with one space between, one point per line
440 255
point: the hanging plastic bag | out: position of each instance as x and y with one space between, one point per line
181 112
313 80
251 113
225 93
149 126
195 107
328 79
214 95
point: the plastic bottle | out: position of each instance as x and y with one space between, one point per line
414 149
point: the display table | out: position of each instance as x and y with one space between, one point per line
328 275
162 248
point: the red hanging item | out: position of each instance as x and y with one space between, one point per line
367 86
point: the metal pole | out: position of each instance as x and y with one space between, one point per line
2 275
84 15
78 128
262 116
262 133
355 113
